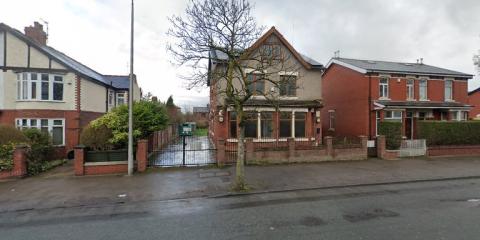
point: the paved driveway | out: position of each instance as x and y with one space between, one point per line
198 151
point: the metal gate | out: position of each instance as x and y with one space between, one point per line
413 148
185 151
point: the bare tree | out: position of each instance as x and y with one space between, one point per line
226 27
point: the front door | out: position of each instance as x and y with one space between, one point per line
409 125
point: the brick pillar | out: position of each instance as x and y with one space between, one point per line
329 143
20 161
249 149
381 146
221 152
142 155
79 160
291 147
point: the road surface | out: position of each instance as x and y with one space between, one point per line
426 210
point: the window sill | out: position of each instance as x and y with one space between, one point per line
411 100
384 99
42 101
424 100
287 98
449 100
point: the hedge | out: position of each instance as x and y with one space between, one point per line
449 133
392 132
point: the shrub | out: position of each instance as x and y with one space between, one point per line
392 132
40 150
449 133
6 156
97 137
10 134
148 117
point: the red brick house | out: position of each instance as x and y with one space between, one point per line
474 100
41 87
358 94
200 116
296 111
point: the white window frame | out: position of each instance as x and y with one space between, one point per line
383 88
410 89
111 101
448 90
124 98
19 125
26 89
425 97
393 117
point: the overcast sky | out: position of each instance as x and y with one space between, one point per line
96 33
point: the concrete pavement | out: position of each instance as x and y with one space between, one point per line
59 188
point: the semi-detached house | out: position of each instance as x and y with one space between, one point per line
359 94
41 87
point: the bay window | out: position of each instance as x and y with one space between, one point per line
285 125
299 125
54 127
266 124
395 115
39 87
121 98
251 122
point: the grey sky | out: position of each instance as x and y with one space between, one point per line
445 33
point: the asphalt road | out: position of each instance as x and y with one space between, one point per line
427 210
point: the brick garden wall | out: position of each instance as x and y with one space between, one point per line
463 150
19 164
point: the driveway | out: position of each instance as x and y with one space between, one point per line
198 151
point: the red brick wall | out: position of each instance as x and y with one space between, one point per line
460 91
106 169
346 92
474 100
74 121
473 150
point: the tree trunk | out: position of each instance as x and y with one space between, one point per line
240 168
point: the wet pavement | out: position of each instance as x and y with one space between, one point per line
198 151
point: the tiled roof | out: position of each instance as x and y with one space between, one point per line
116 81
400 67
283 103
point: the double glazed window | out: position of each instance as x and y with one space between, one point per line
331 118
256 83
111 97
383 90
121 98
422 89
233 125
39 87
410 89
448 90
288 85
393 115
251 124
54 127
266 124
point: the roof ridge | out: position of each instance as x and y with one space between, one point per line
382 61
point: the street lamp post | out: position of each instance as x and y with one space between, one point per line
130 102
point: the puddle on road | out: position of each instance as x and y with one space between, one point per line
369 215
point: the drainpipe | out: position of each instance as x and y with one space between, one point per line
369 106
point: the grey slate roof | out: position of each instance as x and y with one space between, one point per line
401 67
200 109
221 56
120 82
283 103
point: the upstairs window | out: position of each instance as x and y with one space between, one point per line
383 90
39 87
410 89
448 90
255 83
422 89
288 85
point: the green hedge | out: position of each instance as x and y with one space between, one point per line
392 132
449 133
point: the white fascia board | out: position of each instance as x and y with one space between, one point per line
360 70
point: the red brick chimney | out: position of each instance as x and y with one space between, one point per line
36 33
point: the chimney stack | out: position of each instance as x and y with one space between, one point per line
36 33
